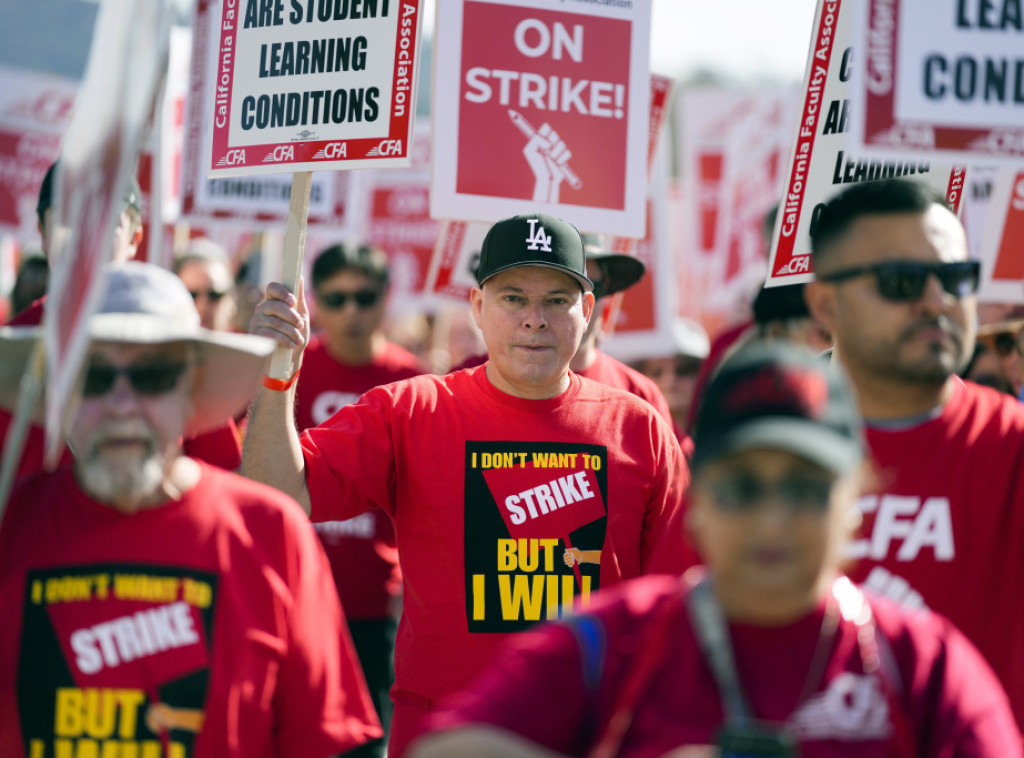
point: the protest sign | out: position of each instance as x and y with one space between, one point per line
821 164
1000 253
258 202
98 153
940 78
455 258
976 204
313 84
34 112
645 315
545 103
733 146
457 247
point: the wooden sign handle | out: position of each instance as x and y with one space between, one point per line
291 263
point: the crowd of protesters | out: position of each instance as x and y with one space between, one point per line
804 535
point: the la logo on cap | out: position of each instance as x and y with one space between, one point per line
538 239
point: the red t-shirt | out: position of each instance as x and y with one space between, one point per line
946 527
489 493
937 697
31 315
615 373
215 612
361 550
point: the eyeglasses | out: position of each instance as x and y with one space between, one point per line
212 295
333 301
151 379
1006 342
743 493
902 281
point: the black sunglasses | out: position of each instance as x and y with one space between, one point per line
213 295
151 379
1006 342
742 493
336 300
901 281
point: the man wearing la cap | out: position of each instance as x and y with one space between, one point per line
611 273
944 528
516 487
152 603
765 651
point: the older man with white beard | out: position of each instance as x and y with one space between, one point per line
154 604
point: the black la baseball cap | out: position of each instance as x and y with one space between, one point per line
533 239
780 396
620 271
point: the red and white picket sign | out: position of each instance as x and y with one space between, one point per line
733 146
34 112
307 85
1001 253
941 79
457 249
98 153
541 106
821 164
257 202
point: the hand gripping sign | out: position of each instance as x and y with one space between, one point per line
545 102
305 84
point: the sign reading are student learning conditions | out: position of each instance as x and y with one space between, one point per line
822 164
304 84
942 77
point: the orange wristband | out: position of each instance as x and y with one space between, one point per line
279 385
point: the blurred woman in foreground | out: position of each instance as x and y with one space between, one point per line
770 651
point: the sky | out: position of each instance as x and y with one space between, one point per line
748 41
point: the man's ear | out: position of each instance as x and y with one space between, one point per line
476 304
588 305
821 302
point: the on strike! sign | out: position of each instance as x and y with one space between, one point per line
301 84
821 163
942 77
1000 253
546 103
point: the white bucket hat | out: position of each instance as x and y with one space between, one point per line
145 304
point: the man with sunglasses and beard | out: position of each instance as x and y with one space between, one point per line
944 526
348 356
154 604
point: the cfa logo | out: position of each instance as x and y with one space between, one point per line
335 150
329 403
387 147
235 157
279 154
912 523
538 239
801 264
